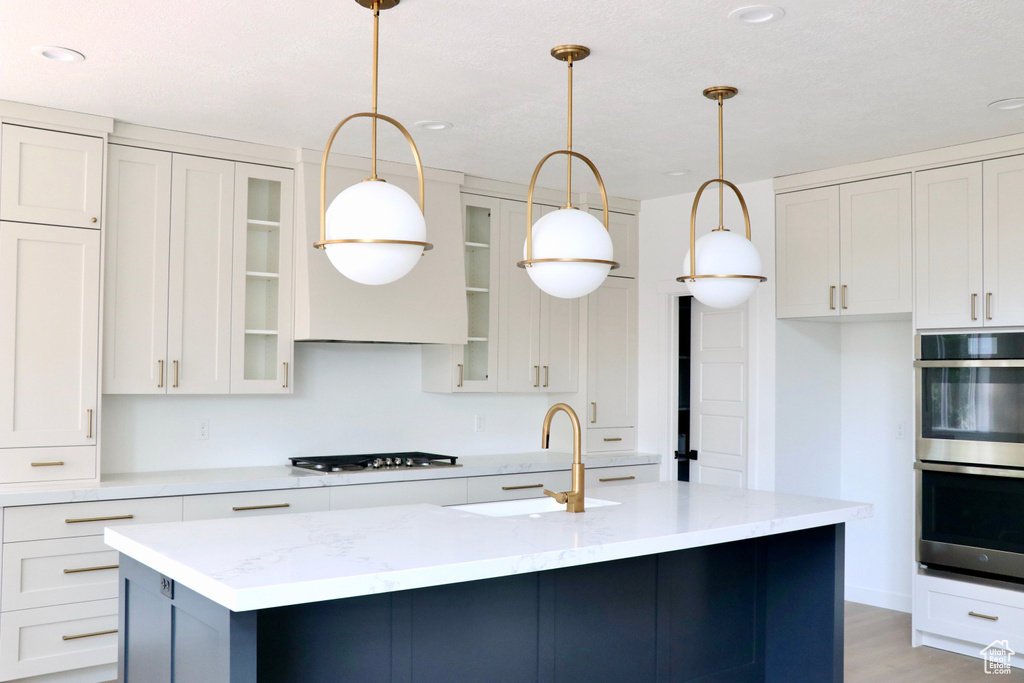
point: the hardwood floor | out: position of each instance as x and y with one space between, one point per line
878 650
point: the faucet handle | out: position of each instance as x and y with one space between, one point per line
560 497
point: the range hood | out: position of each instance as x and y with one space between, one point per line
427 306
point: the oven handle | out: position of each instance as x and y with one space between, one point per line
969 469
976 363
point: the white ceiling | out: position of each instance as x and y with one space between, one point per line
834 82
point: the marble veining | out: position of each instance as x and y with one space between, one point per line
260 562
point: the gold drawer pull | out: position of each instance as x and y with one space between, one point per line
98 519
618 478
613 438
983 616
90 569
527 486
56 463
243 508
90 635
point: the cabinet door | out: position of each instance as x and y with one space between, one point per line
261 327
612 355
199 301
625 241
51 178
1003 302
135 280
807 253
948 251
875 246
559 344
49 331
519 362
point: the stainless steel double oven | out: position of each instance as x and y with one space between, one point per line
970 452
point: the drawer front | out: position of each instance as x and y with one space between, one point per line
51 639
55 572
978 614
513 486
611 439
67 520
601 477
25 465
255 503
433 491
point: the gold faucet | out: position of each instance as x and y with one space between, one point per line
574 498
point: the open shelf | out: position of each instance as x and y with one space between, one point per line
477 245
479 290
269 224
256 273
261 332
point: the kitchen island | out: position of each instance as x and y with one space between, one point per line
673 582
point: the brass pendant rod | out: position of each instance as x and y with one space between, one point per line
568 158
376 31
721 167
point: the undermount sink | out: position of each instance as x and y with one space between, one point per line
527 506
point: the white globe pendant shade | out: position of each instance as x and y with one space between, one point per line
573 234
726 253
374 210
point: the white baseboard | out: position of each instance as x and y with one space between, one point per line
877 598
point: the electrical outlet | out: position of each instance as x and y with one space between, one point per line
202 429
901 430
478 423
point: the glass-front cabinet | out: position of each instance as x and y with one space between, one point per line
477 367
261 339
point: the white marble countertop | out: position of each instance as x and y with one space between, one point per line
260 562
228 480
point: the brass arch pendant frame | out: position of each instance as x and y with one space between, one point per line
568 54
376 6
719 93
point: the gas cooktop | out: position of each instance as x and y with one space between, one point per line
374 461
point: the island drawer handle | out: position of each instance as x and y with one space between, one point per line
98 519
56 463
243 508
90 569
527 486
983 616
90 635
618 478
615 438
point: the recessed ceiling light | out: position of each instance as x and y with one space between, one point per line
681 171
433 125
757 14
58 54
1007 104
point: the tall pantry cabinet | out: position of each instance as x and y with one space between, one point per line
50 199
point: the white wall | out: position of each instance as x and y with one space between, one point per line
349 398
664 241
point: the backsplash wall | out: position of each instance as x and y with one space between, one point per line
349 398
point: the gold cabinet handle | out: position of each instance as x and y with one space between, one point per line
613 438
285 385
243 508
536 375
618 478
832 298
546 375
982 616
517 488
90 635
460 376
160 382
55 463
98 519
974 306
88 434
175 385
988 305
593 417
844 297
90 569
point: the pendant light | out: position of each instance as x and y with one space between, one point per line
724 268
568 253
373 232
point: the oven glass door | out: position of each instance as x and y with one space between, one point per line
972 404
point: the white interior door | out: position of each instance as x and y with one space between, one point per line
718 395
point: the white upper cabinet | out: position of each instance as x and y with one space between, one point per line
623 230
1003 239
137 247
261 320
49 327
845 250
50 177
